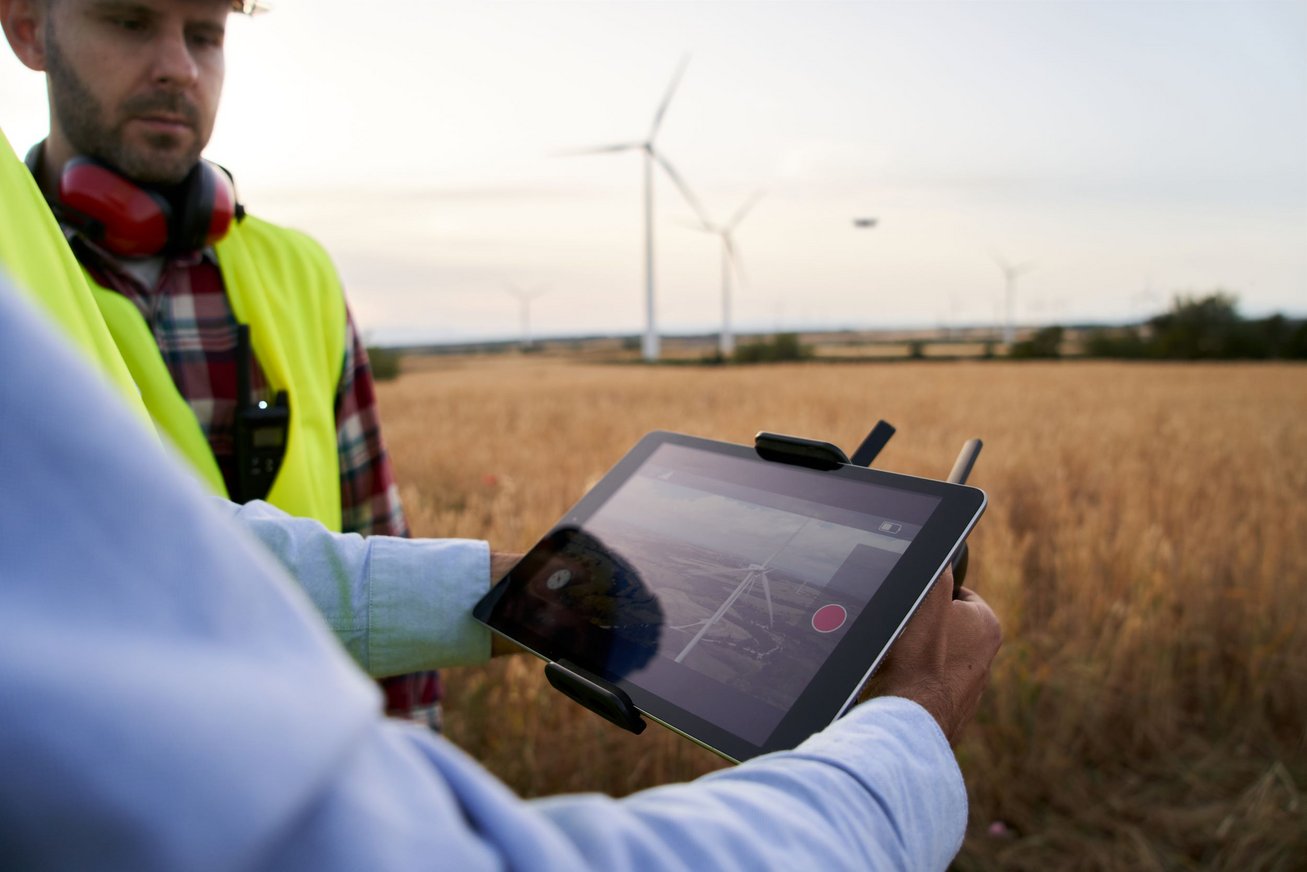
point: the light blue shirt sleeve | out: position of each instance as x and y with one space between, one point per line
397 605
172 700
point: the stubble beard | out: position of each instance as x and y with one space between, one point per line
81 117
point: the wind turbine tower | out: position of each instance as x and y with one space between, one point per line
650 347
1011 272
730 263
524 298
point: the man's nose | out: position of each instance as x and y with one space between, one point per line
174 64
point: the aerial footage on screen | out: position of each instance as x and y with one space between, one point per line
756 587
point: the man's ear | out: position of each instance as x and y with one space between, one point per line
23 22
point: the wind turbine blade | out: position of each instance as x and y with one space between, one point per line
523 293
601 149
671 89
684 188
745 210
1013 269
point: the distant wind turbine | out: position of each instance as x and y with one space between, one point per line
730 261
524 298
1011 272
650 348
1143 302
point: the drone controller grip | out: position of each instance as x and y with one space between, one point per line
960 569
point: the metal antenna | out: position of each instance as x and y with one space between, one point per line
966 459
959 474
873 444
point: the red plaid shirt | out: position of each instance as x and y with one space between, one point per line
183 302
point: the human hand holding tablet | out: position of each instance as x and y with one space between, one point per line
942 659
740 596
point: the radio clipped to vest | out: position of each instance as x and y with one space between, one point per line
260 430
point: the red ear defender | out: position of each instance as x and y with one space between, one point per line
132 221
122 216
225 208
207 208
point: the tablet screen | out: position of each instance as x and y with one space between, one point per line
756 584
719 581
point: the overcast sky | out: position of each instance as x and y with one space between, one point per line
1126 151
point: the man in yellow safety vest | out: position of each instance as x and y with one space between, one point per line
234 330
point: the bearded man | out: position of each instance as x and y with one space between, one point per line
236 330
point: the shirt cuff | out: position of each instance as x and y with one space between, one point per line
420 608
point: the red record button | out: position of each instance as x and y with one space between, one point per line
829 618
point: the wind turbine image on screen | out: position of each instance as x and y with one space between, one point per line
753 574
730 263
650 346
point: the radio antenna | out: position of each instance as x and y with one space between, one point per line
966 459
961 469
872 445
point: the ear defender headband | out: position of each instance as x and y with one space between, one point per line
132 221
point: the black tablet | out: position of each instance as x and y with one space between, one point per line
738 600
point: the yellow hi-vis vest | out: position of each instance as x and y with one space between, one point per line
282 284
36 255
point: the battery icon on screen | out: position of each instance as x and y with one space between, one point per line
890 527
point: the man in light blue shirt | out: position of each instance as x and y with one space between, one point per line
172 700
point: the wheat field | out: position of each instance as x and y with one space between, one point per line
1144 549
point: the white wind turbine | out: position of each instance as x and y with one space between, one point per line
524 299
730 262
650 348
1011 272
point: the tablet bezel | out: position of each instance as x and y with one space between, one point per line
840 678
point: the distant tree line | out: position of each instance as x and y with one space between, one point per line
782 346
1046 342
1203 328
384 361
1195 328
